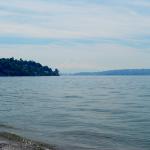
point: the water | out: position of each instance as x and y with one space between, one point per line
78 113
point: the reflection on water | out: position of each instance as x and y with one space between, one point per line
78 113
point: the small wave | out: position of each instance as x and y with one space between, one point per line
86 134
146 95
101 95
5 110
115 92
72 96
6 126
9 127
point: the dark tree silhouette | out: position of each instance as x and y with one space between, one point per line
14 67
56 72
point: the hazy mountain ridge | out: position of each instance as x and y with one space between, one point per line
118 72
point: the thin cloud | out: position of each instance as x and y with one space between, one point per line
69 21
92 30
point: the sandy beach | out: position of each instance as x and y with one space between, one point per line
10 141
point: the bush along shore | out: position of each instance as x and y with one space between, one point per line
10 141
14 67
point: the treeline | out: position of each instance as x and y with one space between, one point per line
14 67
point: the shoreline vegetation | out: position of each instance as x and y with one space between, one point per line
14 67
11 141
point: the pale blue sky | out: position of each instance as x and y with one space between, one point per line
77 35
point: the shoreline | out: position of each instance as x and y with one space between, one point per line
11 141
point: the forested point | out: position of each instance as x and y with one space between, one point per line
14 67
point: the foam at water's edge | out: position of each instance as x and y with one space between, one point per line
13 141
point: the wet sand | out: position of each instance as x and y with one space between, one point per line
10 141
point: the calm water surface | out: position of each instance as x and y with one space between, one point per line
78 113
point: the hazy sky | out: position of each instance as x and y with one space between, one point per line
75 35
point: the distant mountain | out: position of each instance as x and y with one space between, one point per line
14 67
117 72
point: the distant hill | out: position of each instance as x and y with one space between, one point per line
14 67
117 72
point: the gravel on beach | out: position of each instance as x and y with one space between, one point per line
10 141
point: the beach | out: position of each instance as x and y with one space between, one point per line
10 141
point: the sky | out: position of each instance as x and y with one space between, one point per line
77 35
